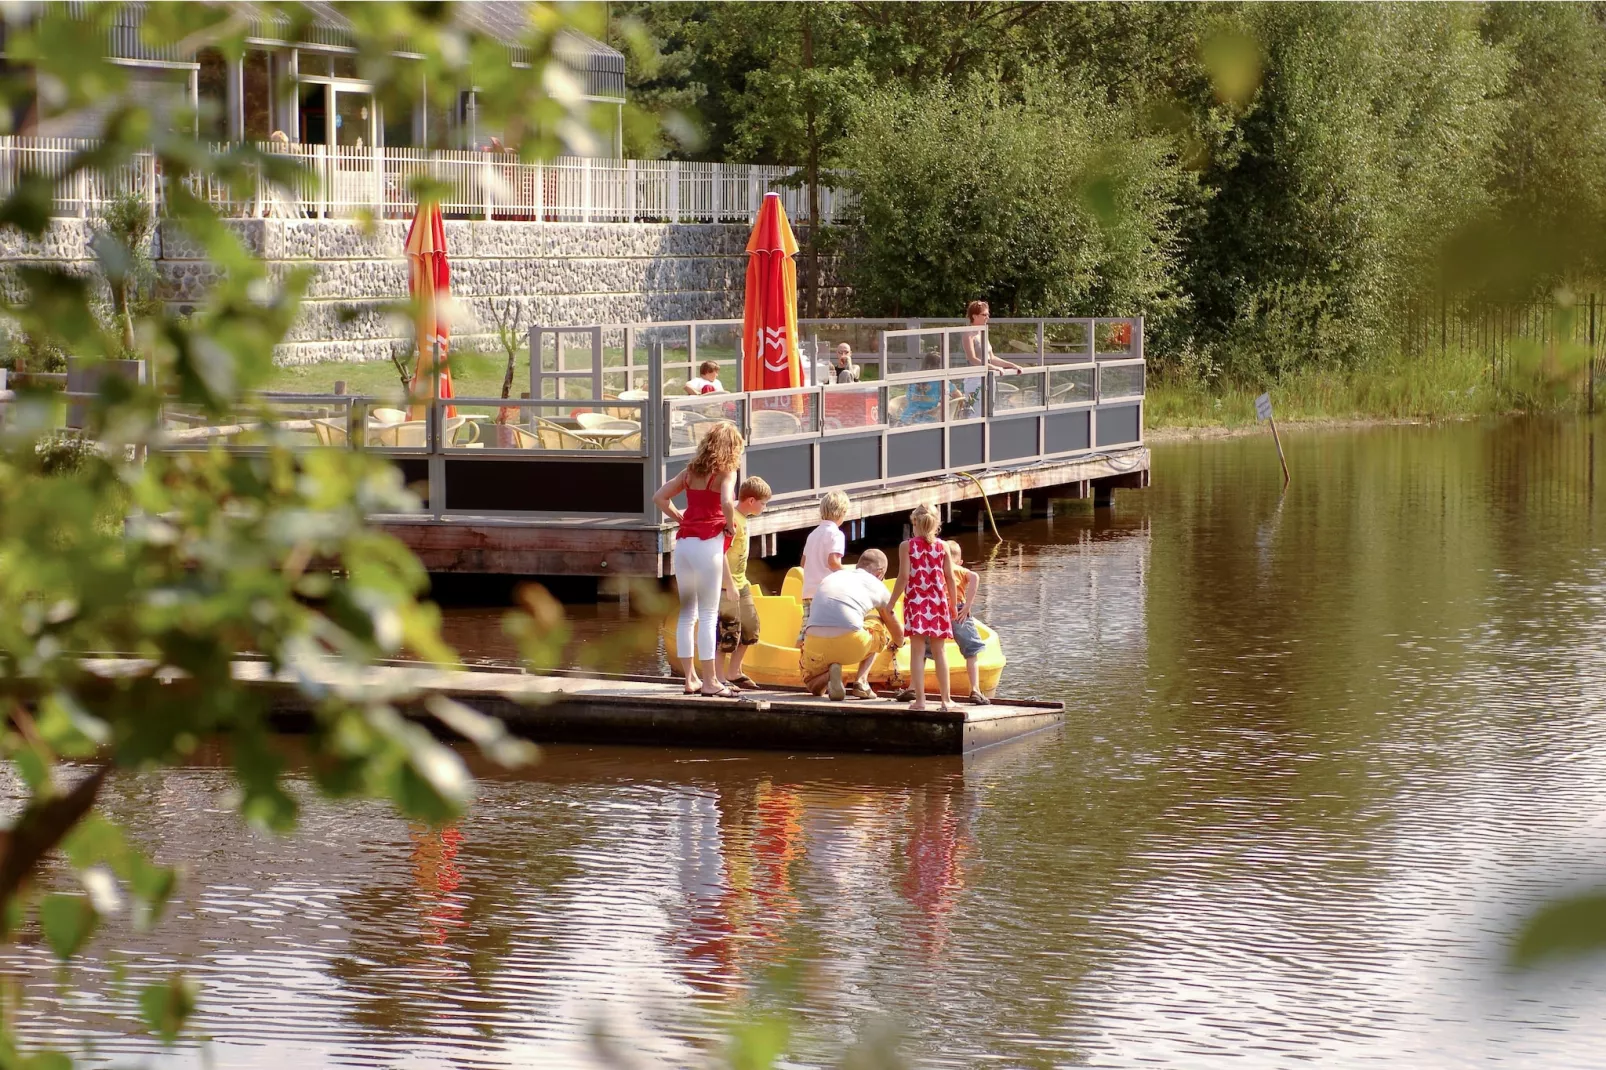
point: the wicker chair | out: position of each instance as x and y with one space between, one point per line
330 432
522 439
557 437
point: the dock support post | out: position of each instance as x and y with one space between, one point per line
1103 496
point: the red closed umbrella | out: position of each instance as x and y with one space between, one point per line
770 359
429 281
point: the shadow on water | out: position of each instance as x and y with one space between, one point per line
1321 749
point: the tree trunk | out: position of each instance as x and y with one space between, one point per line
811 255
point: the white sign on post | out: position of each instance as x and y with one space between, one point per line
1263 407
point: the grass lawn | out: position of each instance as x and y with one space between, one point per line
473 375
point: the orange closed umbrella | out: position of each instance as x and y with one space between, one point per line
770 359
429 280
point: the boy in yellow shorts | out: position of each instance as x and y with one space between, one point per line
738 617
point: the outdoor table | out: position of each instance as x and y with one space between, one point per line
603 435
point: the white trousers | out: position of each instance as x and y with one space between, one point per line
699 573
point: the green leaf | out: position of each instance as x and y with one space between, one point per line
46 1060
68 921
165 1007
757 1044
1565 928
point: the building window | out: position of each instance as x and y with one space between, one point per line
212 90
258 95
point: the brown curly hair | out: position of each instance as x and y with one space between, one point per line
719 451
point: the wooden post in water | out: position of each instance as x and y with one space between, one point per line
1592 365
1263 412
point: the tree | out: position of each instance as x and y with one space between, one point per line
192 558
1366 145
1046 203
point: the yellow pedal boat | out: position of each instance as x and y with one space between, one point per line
774 661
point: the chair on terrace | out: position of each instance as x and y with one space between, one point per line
330 432
554 436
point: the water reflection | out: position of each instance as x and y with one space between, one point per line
1321 748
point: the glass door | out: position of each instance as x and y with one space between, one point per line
354 119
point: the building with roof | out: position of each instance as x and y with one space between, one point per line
304 82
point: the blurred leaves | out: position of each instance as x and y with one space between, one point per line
182 561
1565 928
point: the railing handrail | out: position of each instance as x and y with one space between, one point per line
345 180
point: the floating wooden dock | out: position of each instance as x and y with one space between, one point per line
585 708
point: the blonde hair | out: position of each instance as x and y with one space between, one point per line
835 506
754 487
925 521
719 451
954 554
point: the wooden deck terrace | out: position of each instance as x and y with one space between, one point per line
567 490
560 483
586 546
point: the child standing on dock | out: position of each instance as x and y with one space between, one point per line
738 616
822 553
967 634
709 482
926 584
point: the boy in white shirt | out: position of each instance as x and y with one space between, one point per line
822 553
707 381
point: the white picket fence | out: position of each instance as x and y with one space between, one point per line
343 182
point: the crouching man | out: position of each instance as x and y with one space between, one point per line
850 622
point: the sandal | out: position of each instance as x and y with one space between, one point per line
976 698
743 682
723 692
862 691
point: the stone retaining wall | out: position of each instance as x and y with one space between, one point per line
561 273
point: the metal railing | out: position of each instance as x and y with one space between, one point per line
593 361
346 181
590 455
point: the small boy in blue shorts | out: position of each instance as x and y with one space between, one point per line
966 635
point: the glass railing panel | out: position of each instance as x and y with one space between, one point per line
722 344
1023 391
1120 380
674 343
776 414
967 348
1071 386
499 424
914 352
1115 338
920 401
1015 342
575 350
690 418
1067 341
854 408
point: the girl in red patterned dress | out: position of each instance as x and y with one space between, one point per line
926 584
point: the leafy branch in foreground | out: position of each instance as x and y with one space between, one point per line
182 560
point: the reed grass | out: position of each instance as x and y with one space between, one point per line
1455 385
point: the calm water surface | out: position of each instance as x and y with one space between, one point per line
1322 749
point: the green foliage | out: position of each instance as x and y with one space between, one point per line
1369 142
1046 203
184 560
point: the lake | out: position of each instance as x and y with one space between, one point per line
1323 749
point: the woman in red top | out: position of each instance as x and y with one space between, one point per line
706 526
926 584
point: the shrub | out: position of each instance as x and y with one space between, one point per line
1043 201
